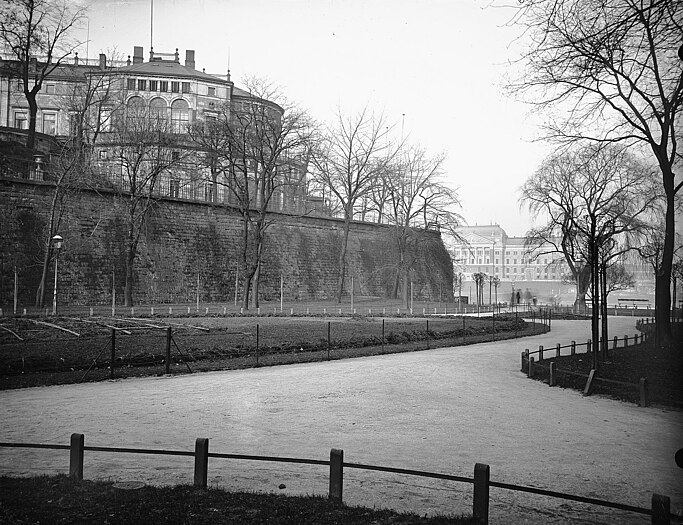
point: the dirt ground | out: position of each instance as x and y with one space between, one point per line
439 410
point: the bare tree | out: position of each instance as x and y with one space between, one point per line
612 68
267 140
143 150
38 34
591 196
417 200
349 159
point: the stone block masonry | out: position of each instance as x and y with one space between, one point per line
183 239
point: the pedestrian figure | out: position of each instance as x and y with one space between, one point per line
519 296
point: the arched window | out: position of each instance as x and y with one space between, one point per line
135 110
158 109
180 115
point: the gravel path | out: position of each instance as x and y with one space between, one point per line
440 410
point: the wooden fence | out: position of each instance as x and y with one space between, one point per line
660 510
530 364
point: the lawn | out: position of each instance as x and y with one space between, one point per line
47 355
61 500
663 368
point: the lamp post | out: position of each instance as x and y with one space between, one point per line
57 242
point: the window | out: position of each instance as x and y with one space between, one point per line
174 188
507 261
142 85
180 115
186 87
130 83
175 87
158 109
103 154
211 91
50 123
105 119
135 110
20 120
163 86
514 261
49 89
175 156
153 85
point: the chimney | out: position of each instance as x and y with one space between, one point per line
189 58
103 61
137 55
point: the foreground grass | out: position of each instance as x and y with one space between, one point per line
59 499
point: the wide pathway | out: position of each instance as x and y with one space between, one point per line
441 410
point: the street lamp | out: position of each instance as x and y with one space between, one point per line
57 242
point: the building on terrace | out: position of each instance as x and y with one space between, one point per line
113 106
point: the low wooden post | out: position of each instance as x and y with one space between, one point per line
540 353
480 503
588 346
525 359
552 379
201 462
588 390
336 474
557 350
661 510
76 456
644 392
530 372
625 341
168 350
616 343
573 348
113 353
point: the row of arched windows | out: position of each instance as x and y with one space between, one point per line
159 109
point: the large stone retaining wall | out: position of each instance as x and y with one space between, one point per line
183 240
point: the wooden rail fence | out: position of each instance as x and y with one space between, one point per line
660 510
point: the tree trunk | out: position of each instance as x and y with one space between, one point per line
246 284
342 260
603 312
40 292
130 261
405 292
255 286
32 116
663 334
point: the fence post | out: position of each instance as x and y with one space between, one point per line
540 353
201 462
168 350
480 505
573 348
336 474
530 372
616 343
588 390
382 335
113 353
525 357
328 339
644 392
625 341
661 509
76 456
552 380
588 346
557 350
257 343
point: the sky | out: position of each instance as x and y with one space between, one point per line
435 68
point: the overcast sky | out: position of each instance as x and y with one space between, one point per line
434 67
